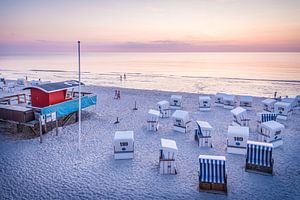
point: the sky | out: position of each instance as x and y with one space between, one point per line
150 25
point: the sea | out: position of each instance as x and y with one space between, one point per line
257 74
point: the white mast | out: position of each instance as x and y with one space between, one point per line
79 100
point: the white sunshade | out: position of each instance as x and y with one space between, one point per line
238 130
246 98
168 145
228 97
282 104
289 100
204 125
124 135
176 97
273 125
269 101
219 94
163 103
207 98
181 114
238 110
153 112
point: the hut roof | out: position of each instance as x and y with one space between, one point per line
54 87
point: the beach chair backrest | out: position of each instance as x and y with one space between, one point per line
212 170
259 153
265 117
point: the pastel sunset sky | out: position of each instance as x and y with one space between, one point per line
150 25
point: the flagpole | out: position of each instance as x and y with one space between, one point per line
79 100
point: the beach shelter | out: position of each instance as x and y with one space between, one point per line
283 110
219 99
237 137
292 101
164 109
176 102
51 93
167 156
152 120
259 157
123 145
181 121
298 101
212 173
297 106
240 117
21 82
229 101
203 134
265 117
268 104
271 132
246 102
204 103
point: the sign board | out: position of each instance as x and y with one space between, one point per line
42 118
53 116
48 117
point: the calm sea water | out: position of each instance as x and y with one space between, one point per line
259 74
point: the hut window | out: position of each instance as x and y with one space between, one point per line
204 101
123 144
277 132
238 138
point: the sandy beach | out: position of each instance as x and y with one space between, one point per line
55 169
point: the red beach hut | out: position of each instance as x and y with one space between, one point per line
51 93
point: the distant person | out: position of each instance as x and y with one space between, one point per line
26 78
119 95
124 76
120 77
275 94
116 94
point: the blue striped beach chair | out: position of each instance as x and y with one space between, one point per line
212 174
259 157
265 117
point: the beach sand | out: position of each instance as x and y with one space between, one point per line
55 169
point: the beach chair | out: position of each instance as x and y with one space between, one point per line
237 137
164 109
212 174
167 156
240 117
271 132
259 157
181 121
246 102
219 99
152 120
283 110
123 145
176 102
265 117
203 134
204 103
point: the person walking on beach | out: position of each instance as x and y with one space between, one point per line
116 94
120 77
124 76
119 95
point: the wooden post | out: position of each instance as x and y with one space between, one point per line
135 108
41 129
